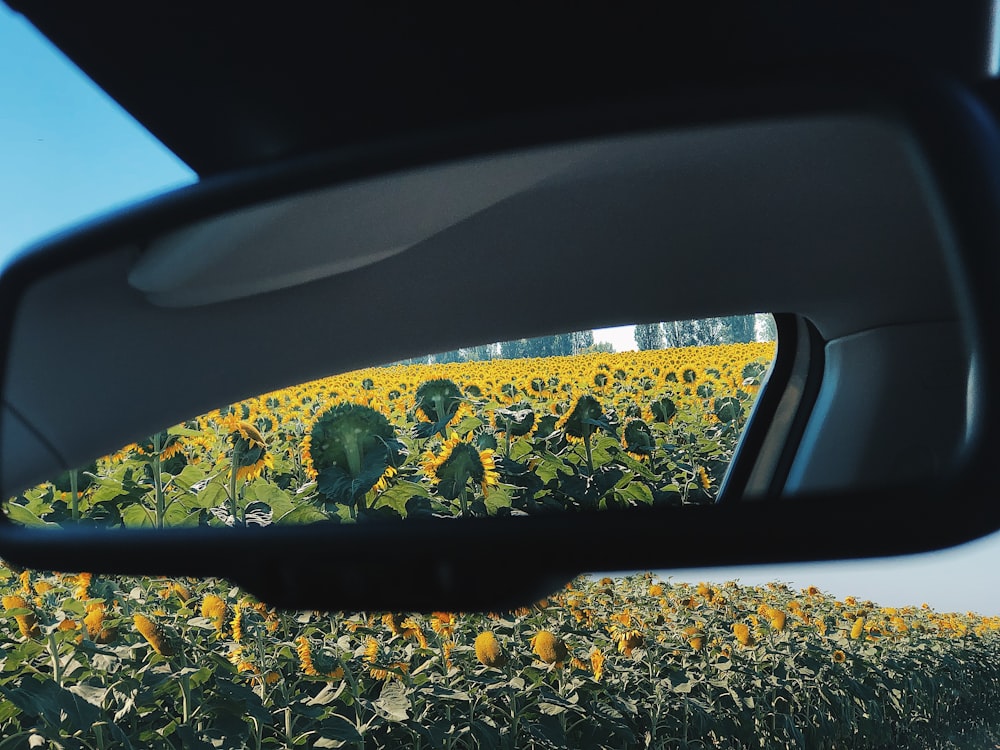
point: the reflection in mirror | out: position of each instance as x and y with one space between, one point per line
638 415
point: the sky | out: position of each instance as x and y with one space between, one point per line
622 338
68 153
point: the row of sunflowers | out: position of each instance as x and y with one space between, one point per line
583 432
120 662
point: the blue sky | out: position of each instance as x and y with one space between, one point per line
67 152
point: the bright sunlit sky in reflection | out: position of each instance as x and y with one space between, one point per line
67 152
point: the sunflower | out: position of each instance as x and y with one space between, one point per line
437 403
858 628
578 423
639 441
742 633
393 672
488 651
213 608
704 479
394 622
412 629
458 462
549 648
172 448
241 663
597 663
42 587
695 637
182 591
82 592
777 619
350 450
249 454
839 656
517 420
237 623
153 634
446 648
309 663
662 410
625 632
443 623
304 651
26 622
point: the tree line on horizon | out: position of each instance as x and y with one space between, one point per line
733 329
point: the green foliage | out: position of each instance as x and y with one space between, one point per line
644 662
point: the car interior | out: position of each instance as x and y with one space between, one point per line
848 186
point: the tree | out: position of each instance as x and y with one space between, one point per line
734 329
767 330
561 344
601 347
649 336
581 340
480 353
740 329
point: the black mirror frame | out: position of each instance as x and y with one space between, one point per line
472 565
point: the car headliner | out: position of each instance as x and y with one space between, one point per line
230 85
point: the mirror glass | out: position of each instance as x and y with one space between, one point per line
632 416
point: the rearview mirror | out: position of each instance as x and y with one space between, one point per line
865 220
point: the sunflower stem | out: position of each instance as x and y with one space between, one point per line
185 684
586 444
74 488
54 653
464 502
234 483
158 482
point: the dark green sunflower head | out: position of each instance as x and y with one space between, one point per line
582 420
456 464
485 440
438 400
639 441
350 447
663 410
518 419
249 452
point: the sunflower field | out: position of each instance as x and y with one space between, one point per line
520 436
128 662
88 662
